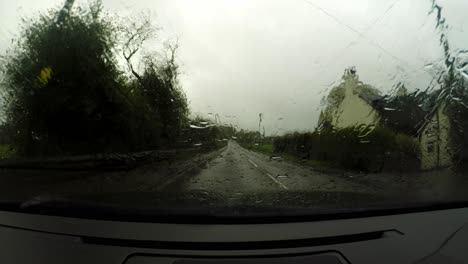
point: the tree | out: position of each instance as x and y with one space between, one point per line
134 33
64 89
159 83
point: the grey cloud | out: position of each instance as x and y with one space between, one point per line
246 57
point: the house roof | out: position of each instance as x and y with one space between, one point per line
367 92
370 97
402 113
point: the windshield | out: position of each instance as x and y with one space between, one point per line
272 106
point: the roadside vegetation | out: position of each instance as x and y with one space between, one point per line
392 144
266 149
6 152
366 149
66 91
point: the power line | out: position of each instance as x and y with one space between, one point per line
360 34
371 25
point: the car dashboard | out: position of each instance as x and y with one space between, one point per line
439 236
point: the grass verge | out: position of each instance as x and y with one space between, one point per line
6 152
267 149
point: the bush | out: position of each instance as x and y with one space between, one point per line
6 151
266 149
361 148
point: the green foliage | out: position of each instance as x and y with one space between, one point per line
266 149
320 164
6 151
406 144
249 137
63 84
65 93
166 101
457 110
361 148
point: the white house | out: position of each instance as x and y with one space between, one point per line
434 138
350 103
353 103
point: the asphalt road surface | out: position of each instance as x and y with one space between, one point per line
231 176
237 171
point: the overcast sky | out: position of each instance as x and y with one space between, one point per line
280 57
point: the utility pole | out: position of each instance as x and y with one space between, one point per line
260 119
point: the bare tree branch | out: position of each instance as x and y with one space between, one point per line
135 34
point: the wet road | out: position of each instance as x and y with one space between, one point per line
232 177
238 171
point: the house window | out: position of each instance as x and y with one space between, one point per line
430 147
